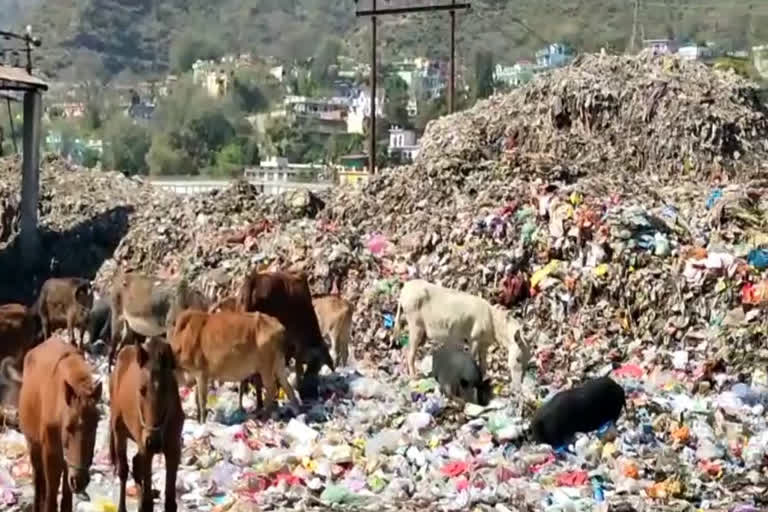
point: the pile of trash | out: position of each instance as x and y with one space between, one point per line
617 207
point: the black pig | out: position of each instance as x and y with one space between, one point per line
459 375
581 409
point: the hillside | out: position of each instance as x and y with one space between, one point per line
136 34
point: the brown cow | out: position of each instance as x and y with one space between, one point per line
19 331
58 415
334 314
286 297
147 307
65 302
231 347
145 406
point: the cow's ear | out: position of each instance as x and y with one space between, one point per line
82 292
69 394
142 356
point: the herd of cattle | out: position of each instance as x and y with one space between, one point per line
164 335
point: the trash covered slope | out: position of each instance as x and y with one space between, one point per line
659 116
657 277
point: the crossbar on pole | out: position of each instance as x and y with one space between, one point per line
407 10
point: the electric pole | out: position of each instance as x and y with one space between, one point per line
373 13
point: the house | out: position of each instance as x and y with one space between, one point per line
74 110
514 76
554 56
760 60
694 52
215 79
356 162
360 110
659 46
278 72
403 144
353 177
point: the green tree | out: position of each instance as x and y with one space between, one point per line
483 74
230 160
324 61
191 46
342 144
396 107
127 145
165 160
252 91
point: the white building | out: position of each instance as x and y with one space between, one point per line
694 52
403 143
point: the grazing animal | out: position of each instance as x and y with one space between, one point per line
459 375
442 314
148 308
65 302
145 406
334 315
58 415
581 409
231 347
20 331
99 327
286 297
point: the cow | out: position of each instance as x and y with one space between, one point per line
98 324
20 330
65 302
286 297
448 316
145 406
334 315
58 416
231 346
144 307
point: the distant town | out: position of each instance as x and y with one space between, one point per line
412 88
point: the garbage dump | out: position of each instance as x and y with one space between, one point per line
617 207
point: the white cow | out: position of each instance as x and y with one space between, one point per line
446 315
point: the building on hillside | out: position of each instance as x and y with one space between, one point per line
694 52
355 162
760 60
277 170
214 78
660 46
360 110
514 76
403 144
73 110
352 176
278 72
321 115
554 56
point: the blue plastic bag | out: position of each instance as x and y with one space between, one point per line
758 258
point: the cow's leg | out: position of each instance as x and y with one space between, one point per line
270 390
344 339
282 378
122 465
71 330
172 454
202 396
147 498
52 469
415 334
36 458
240 392
66 492
480 353
259 391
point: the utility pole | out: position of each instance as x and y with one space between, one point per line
633 38
372 130
373 13
452 83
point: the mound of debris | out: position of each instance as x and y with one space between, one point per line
662 117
